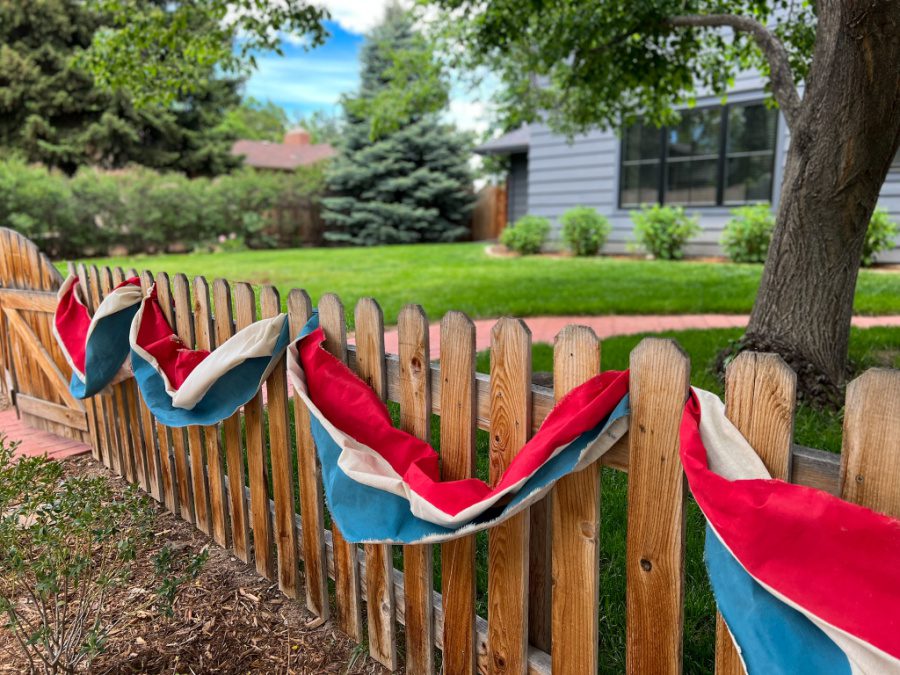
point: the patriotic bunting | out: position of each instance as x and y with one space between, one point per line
776 552
182 386
93 345
806 582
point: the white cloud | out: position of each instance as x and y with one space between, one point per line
356 16
468 115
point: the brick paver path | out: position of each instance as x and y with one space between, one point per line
34 442
545 328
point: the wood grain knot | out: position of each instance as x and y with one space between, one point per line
646 565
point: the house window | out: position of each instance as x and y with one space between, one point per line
712 157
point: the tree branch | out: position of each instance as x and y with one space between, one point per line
783 86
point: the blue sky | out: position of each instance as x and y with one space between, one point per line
304 81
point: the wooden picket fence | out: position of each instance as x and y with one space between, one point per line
543 565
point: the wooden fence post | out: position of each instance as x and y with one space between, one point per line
92 405
870 457
182 469
379 561
415 418
508 554
184 327
346 563
660 377
760 392
245 314
215 475
576 525
231 435
458 406
312 509
282 464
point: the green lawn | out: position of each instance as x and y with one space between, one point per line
443 277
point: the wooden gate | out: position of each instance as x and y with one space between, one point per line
33 370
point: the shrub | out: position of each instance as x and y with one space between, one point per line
527 235
66 543
747 235
881 236
584 230
664 230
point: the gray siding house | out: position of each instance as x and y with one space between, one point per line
718 157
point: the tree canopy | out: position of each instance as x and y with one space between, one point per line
52 111
256 121
583 64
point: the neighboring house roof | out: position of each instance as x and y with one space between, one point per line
296 151
507 144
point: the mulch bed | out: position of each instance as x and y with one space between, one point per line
228 620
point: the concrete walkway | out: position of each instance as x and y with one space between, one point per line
545 328
34 442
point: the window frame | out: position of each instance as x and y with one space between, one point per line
721 161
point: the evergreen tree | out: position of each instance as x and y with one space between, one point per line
52 112
402 175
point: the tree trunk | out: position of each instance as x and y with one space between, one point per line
842 144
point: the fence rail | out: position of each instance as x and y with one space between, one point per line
543 565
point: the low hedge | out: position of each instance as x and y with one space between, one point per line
138 210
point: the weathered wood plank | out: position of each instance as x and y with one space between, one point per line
457 393
110 278
347 582
870 467
203 333
282 464
760 393
312 508
379 562
103 401
184 327
575 505
508 542
160 469
182 474
231 435
53 412
660 377
245 314
415 419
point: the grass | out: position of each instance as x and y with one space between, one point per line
443 277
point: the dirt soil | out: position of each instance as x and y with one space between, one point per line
229 620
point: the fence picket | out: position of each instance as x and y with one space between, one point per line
103 399
760 392
415 418
654 558
91 405
312 508
458 406
245 314
184 327
346 564
231 436
870 457
118 427
133 436
182 474
282 465
215 475
379 562
575 508
508 542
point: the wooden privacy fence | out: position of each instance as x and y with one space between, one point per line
543 565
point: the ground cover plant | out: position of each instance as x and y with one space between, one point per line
66 545
443 277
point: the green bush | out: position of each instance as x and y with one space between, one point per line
881 236
66 543
663 231
140 210
584 230
747 235
527 235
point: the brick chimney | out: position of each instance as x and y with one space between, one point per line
297 136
